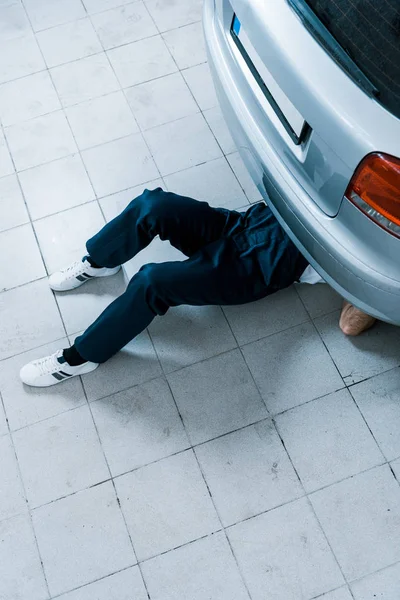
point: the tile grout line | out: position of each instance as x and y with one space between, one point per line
324 594
192 448
152 341
304 495
26 207
37 239
29 512
220 147
118 500
221 523
211 496
81 587
321 338
296 471
89 17
89 180
63 324
130 107
347 387
209 535
367 424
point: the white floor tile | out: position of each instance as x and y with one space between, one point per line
124 24
270 569
384 585
40 140
56 186
142 61
187 45
216 121
139 426
82 538
9 2
248 185
95 6
27 98
201 85
319 299
12 499
125 585
182 144
50 455
12 206
84 79
169 15
166 504
328 440
6 165
20 57
378 400
119 165
375 351
69 42
101 120
81 307
204 569
291 368
134 364
160 101
188 334
216 396
21 574
30 318
248 472
361 518
13 22
26 405
270 315
44 14
212 181
62 237
114 204
27 264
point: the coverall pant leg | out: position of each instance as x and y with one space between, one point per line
215 272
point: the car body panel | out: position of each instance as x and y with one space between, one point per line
305 184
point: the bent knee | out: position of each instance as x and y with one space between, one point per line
152 279
150 201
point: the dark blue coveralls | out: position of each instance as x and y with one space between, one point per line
233 258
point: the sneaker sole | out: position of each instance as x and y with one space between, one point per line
80 283
57 381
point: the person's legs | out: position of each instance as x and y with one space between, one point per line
186 223
215 275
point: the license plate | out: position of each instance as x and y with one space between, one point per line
290 117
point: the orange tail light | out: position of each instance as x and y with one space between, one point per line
375 189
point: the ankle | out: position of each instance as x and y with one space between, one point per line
91 262
72 357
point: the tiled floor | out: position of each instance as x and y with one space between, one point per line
244 453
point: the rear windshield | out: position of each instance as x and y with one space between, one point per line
369 31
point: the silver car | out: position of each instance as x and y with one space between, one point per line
310 90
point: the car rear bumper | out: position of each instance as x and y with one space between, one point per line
326 242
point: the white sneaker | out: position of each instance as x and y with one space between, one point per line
76 275
52 369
